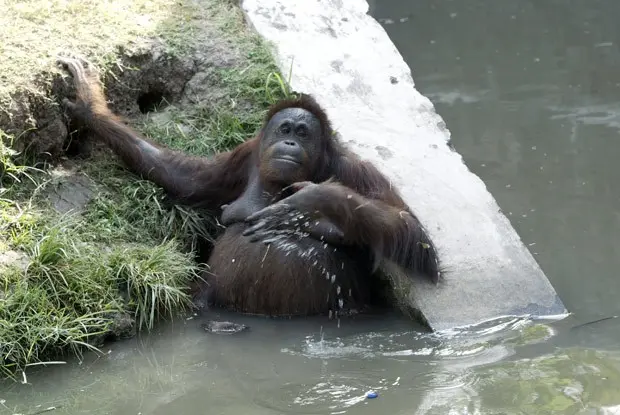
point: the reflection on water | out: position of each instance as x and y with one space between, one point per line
571 381
531 93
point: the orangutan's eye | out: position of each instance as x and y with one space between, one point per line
285 128
301 131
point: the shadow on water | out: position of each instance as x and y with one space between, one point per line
531 93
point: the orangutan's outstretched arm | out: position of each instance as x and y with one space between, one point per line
209 182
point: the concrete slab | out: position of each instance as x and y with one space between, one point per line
346 60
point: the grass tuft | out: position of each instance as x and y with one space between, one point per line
10 171
153 280
71 291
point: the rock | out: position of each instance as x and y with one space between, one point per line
123 326
10 258
223 327
70 191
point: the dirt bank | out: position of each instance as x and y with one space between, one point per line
88 252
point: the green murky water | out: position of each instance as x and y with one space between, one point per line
310 367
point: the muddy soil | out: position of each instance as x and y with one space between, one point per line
146 76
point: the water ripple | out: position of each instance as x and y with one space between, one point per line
438 365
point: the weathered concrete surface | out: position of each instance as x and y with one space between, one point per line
346 60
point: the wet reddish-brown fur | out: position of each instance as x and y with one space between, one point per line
248 276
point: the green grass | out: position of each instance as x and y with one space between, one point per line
72 290
130 253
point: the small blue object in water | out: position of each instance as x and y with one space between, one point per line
371 394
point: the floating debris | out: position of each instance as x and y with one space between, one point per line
371 394
223 327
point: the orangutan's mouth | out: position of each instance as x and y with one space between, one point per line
288 159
